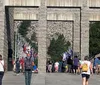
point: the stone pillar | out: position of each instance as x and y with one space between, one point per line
3 34
76 42
10 35
84 30
11 18
42 38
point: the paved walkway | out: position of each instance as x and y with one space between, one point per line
49 79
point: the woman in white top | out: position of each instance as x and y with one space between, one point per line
1 69
56 66
86 67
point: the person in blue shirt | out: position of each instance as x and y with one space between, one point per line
97 62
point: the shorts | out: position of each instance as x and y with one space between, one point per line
87 76
75 67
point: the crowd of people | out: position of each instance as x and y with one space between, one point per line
26 64
18 64
85 67
71 65
67 64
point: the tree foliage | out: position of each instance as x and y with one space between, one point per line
23 28
94 41
57 47
33 37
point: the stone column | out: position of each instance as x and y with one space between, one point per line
3 34
76 42
42 38
11 18
10 35
84 30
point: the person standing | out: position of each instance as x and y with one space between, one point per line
86 67
28 67
50 67
2 68
56 66
70 64
17 66
22 64
76 63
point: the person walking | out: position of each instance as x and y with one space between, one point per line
86 67
70 64
2 69
17 66
76 63
28 67
98 65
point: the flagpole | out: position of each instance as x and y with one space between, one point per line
15 45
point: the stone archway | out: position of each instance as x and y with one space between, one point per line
79 11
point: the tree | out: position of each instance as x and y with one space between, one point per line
94 37
57 47
23 28
33 37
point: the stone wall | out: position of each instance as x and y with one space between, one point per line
11 18
84 30
26 13
80 12
10 36
3 34
91 3
62 27
33 28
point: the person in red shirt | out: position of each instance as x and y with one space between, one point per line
22 64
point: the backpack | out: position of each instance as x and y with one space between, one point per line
28 63
85 67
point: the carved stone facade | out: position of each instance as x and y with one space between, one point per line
78 13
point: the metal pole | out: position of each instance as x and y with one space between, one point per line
15 46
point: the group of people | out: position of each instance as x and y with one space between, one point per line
18 66
69 65
84 67
25 65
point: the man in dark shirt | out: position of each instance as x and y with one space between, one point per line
70 64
